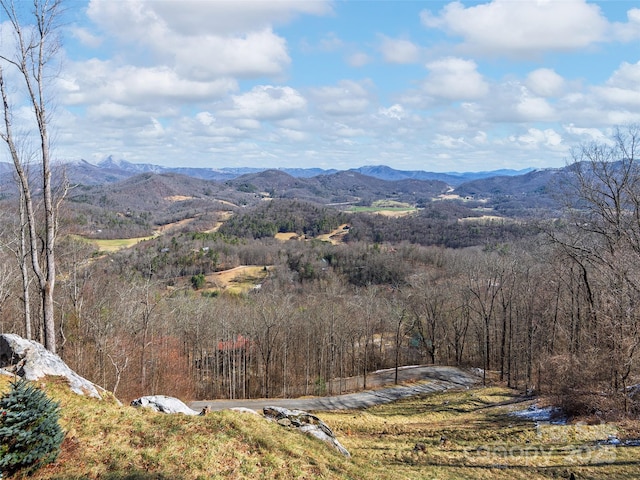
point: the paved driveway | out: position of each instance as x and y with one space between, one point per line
427 380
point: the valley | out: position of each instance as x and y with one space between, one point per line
274 287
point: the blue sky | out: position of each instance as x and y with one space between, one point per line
429 85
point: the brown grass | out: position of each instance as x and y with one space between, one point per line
237 280
178 198
451 435
285 236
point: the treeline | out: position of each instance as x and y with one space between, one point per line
437 226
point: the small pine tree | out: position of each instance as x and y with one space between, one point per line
30 435
198 281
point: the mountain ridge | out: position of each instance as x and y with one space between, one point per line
111 169
382 172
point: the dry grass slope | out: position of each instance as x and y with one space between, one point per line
451 435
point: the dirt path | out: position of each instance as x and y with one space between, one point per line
427 380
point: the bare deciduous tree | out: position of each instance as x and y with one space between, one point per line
36 44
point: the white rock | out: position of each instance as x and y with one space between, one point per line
163 404
30 360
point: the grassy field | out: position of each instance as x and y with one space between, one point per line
453 435
118 243
386 207
237 280
115 244
471 435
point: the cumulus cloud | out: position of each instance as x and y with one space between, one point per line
521 28
347 98
535 109
205 118
111 110
266 102
449 142
195 17
630 31
394 111
455 79
536 138
99 81
251 55
294 135
545 82
592 134
395 50
229 17
205 39
347 131
623 87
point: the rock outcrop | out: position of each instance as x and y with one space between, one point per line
305 422
163 404
30 360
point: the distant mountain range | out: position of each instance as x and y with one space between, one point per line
119 184
112 170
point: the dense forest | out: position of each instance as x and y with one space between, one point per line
546 305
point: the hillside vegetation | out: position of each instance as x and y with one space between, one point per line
550 303
453 435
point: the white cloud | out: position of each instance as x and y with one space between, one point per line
521 28
395 50
455 79
347 131
630 31
622 89
295 135
204 39
190 17
196 17
205 118
208 56
534 109
109 110
358 59
85 37
394 111
481 138
592 134
266 102
545 82
247 123
447 141
536 138
177 79
153 130
347 98
96 81
331 42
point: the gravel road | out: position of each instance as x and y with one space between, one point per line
424 380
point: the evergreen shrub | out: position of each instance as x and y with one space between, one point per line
30 435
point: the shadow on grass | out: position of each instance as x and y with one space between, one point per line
130 475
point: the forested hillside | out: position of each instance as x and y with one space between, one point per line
323 292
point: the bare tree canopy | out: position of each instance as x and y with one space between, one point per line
34 31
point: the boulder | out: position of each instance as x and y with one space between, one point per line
245 410
305 422
30 360
163 404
